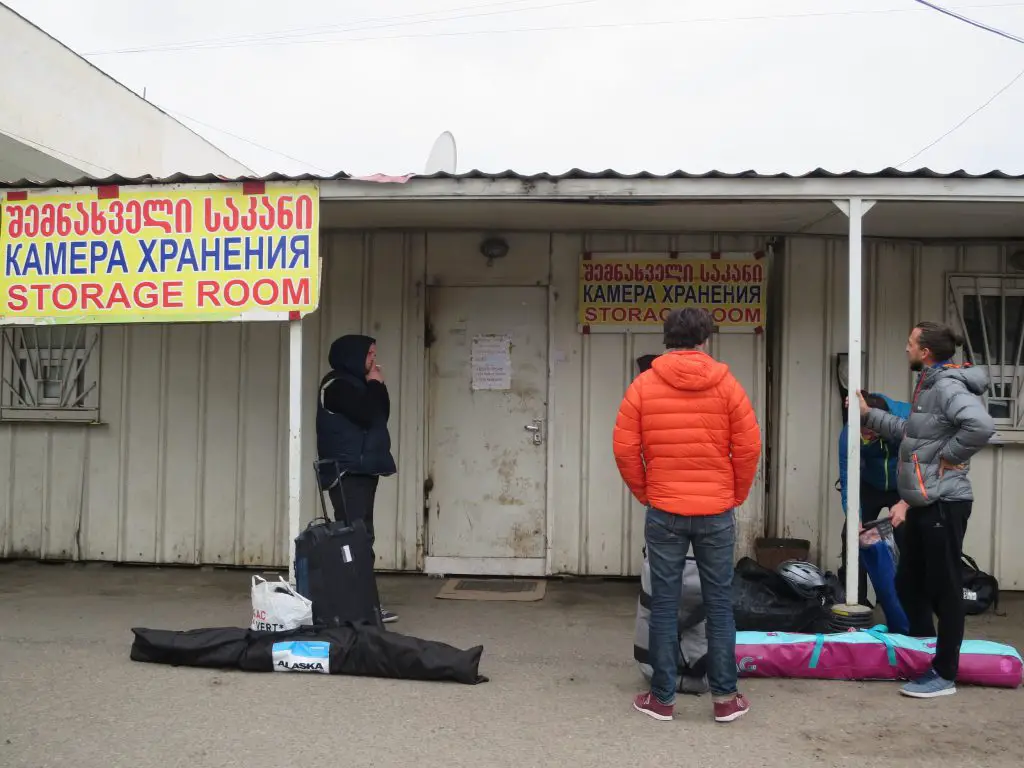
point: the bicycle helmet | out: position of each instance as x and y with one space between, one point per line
805 579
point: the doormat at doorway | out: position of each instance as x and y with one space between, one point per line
508 590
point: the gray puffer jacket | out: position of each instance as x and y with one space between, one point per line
948 420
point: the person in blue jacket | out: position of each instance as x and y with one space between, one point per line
879 460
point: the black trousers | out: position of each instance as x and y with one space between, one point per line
872 502
353 499
929 578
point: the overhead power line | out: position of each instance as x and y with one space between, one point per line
346 26
965 120
264 147
991 99
973 22
54 151
312 39
286 37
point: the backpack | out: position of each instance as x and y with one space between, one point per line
981 590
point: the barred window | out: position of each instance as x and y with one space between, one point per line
50 373
989 309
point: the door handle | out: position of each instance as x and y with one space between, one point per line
532 428
537 429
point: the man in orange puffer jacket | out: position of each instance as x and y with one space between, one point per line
687 444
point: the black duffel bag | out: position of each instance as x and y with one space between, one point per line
981 590
762 601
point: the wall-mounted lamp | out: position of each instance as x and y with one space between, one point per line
494 248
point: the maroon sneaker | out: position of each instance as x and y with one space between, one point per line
650 706
734 709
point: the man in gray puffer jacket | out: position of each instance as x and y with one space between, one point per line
948 424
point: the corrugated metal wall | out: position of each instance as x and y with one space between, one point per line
185 467
374 284
597 526
904 283
188 466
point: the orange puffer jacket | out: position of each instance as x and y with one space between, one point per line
686 439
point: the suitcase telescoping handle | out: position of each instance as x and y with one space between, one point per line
318 465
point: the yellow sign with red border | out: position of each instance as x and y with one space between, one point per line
622 292
160 254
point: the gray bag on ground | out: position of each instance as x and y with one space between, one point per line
693 642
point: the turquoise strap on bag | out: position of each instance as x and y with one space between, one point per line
878 633
819 644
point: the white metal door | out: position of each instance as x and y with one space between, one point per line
487 431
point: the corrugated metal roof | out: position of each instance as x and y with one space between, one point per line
574 173
818 173
177 178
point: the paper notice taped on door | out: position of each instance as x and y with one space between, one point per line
491 362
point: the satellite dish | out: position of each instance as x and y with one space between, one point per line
443 156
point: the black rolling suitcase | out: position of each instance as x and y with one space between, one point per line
334 568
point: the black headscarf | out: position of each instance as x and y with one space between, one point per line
349 353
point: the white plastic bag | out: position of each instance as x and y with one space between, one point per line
277 607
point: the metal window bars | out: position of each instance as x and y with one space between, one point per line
49 371
972 301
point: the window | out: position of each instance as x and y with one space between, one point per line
50 373
989 309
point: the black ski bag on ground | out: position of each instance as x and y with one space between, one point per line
365 651
334 568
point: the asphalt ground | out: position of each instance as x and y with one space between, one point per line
561 680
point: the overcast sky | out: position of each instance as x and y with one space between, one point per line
773 85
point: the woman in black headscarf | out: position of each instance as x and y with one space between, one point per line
352 436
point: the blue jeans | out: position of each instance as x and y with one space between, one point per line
714 540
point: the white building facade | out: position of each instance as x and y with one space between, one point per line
62 118
188 461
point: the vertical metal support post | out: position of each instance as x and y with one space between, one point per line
854 384
852 615
294 439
